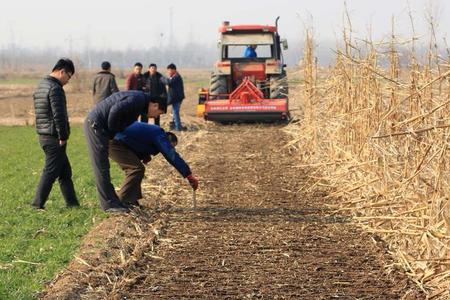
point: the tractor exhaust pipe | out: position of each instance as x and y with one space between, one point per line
276 22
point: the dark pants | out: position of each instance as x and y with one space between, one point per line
57 166
98 143
130 191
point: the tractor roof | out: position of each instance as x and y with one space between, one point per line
230 28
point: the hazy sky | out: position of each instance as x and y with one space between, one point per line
139 23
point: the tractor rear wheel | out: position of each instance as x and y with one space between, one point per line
279 86
218 85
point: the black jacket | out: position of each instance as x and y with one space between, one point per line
176 89
104 86
51 109
119 110
155 84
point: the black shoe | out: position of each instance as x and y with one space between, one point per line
117 210
172 125
72 204
37 206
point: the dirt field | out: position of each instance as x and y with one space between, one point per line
16 98
254 234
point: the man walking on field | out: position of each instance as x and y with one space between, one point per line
52 126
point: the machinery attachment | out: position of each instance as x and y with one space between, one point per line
246 104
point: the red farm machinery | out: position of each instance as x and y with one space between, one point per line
249 82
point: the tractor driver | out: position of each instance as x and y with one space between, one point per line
250 51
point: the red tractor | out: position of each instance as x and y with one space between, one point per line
249 82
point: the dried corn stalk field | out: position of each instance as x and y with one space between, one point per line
377 133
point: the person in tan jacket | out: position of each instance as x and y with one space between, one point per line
104 83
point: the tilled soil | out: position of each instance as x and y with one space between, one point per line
254 234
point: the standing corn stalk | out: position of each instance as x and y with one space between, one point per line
308 67
384 130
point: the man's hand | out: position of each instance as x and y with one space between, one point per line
62 142
193 181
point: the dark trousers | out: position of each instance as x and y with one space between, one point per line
130 191
57 166
98 144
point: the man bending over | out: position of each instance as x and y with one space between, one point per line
134 147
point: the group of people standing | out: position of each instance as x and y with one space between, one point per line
170 88
112 131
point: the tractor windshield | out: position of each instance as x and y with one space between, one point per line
262 51
234 45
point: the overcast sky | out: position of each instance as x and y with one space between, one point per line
144 23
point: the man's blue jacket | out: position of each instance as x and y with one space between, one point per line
176 89
147 140
250 52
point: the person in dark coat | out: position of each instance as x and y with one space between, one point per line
103 122
154 84
175 94
104 83
53 128
134 147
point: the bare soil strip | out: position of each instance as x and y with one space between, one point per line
253 235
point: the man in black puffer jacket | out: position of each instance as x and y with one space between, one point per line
52 126
107 118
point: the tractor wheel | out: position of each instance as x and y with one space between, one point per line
218 85
279 86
